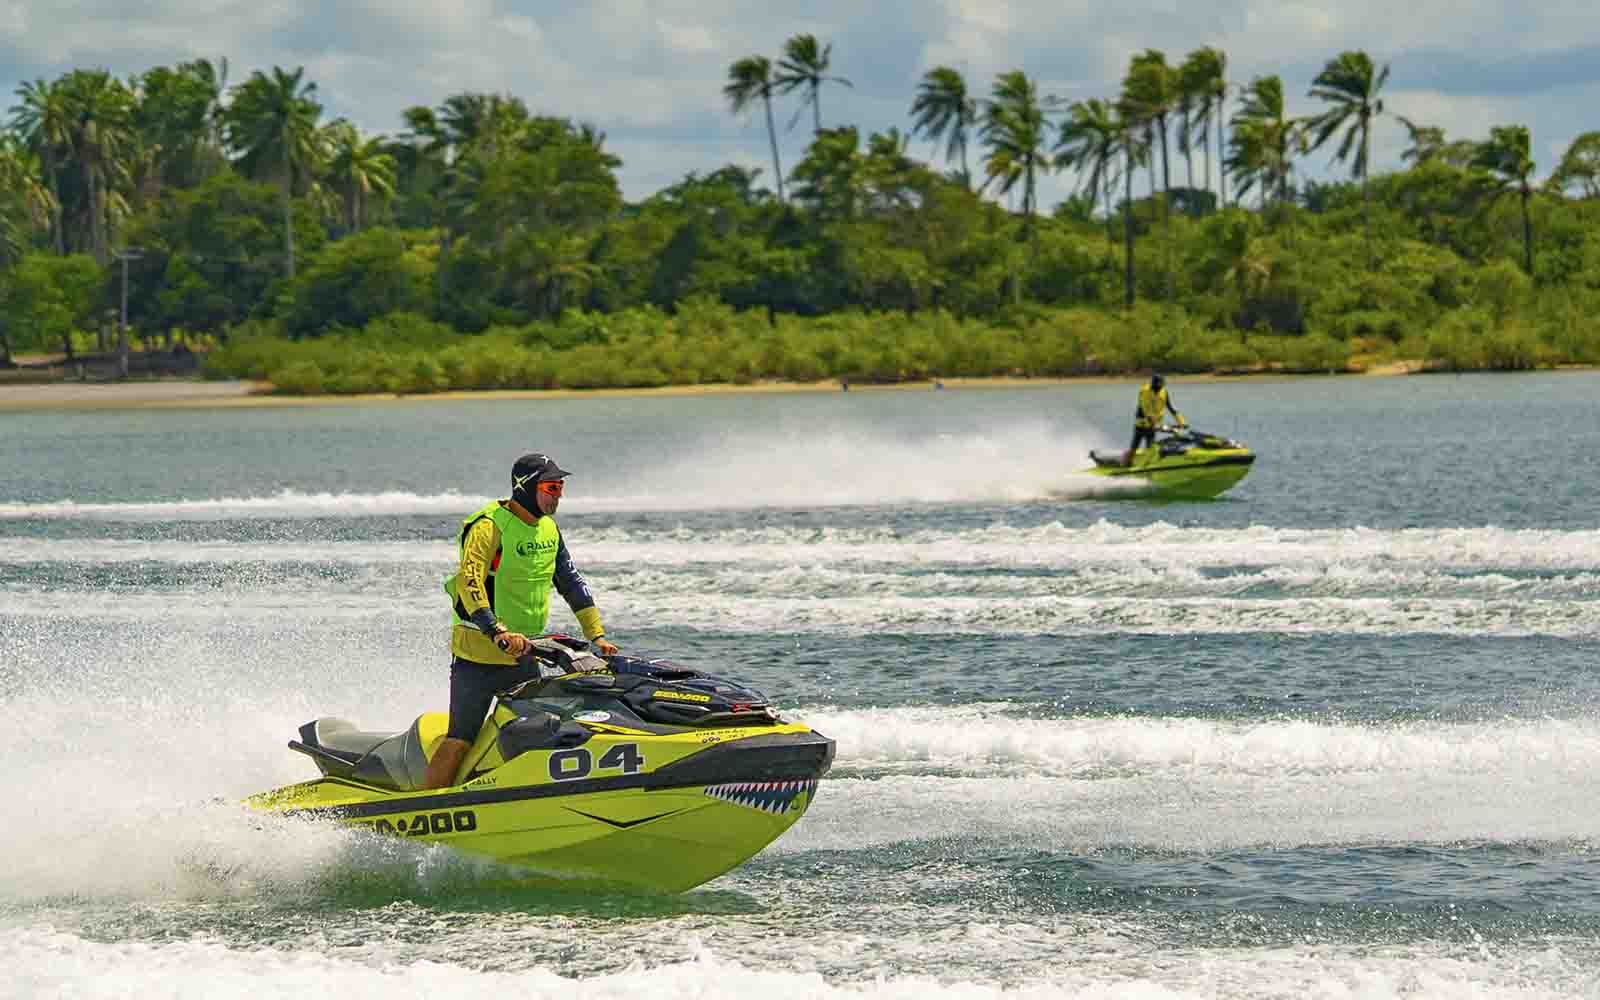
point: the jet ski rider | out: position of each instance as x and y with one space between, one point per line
513 543
1153 405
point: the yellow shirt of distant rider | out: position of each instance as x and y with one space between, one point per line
1153 405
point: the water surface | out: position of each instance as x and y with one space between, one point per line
1333 735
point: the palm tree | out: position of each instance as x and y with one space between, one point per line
1014 128
1504 165
1149 96
453 146
805 65
100 135
1580 166
1264 141
829 177
41 121
1202 85
22 191
272 127
489 125
1350 84
748 79
1135 150
177 116
1427 142
887 173
943 108
1089 143
213 76
359 170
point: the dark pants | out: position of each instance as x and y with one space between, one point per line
473 686
1147 435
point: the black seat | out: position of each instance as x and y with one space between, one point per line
342 736
395 761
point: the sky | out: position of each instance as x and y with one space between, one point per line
649 73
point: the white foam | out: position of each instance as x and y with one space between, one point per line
1158 579
49 962
156 769
1058 546
751 471
1159 548
252 604
982 740
119 551
1197 784
283 504
1204 812
843 466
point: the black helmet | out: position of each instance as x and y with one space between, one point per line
531 470
1156 381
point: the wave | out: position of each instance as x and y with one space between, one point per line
986 739
165 820
1034 959
751 471
1156 548
38 563
254 603
284 504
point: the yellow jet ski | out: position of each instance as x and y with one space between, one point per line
1183 464
619 772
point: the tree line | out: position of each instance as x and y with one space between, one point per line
239 211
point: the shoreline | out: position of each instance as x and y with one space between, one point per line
201 394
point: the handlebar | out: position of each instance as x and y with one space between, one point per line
558 654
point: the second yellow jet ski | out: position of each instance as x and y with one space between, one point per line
1183 464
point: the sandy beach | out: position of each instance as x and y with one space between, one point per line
125 395
199 394
193 394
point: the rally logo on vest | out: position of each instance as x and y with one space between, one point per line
528 547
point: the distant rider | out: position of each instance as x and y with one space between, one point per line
1153 405
512 554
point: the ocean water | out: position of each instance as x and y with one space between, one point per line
1335 735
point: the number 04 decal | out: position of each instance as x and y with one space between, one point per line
578 762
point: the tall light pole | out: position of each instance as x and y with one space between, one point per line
125 254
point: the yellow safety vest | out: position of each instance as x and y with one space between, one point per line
1152 404
521 579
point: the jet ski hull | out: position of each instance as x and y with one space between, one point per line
1184 465
1196 479
624 808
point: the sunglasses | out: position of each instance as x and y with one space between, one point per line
553 487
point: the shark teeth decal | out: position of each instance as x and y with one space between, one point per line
774 797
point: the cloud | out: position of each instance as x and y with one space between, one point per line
1482 74
650 72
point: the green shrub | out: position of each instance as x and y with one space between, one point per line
1502 288
426 375
1456 342
1314 352
299 378
1516 347
352 383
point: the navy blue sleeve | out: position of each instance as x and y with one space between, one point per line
569 584
485 621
